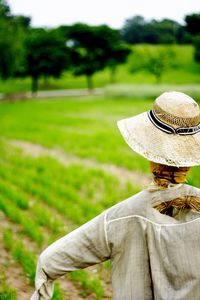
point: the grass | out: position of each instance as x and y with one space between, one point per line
149 91
84 128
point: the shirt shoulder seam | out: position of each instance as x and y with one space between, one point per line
150 221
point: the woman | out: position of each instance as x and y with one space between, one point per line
153 237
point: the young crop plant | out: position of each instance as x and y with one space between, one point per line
20 254
29 227
13 194
6 292
89 285
26 259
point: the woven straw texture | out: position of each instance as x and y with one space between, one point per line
157 146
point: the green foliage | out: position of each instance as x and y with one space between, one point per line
186 72
46 55
197 48
12 34
6 44
138 30
41 53
94 48
118 54
193 27
193 23
4 9
155 61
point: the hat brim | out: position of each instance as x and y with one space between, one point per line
157 146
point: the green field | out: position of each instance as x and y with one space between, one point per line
185 71
62 162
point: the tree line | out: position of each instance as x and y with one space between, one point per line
80 48
42 53
138 30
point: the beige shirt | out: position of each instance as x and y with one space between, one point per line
153 256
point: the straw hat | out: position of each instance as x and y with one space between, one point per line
169 133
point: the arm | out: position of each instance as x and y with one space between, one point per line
81 248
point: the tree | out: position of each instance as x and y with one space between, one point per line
7 53
116 51
193 27
21 28
193 24
153 60
133 30
138 30
6 48
4 10
87 51
166 30
46 55
93 48
117 55
197 48
12 35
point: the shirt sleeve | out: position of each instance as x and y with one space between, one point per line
79 249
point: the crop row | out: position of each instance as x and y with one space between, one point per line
88 191
6 292
22 199
25 258
20 209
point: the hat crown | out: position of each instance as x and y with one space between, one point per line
177 109
178 104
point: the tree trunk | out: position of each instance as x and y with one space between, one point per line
46 81
113 74
158 78
34 87
90 83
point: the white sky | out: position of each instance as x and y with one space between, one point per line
51 13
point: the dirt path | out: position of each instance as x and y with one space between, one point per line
123 174
51 94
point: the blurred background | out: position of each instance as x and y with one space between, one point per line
68 72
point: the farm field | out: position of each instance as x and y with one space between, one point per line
62 162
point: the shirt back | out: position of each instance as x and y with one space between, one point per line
154 256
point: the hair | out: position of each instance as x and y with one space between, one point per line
163 175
